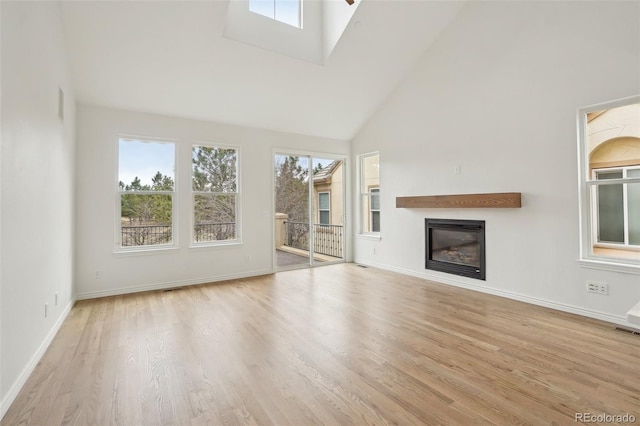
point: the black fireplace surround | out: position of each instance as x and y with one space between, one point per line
456 247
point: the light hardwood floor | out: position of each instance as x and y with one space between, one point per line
334 345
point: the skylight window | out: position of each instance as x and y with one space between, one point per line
285 11
308 31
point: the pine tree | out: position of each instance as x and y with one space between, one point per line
215 183
292 192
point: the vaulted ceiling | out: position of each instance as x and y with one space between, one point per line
171 58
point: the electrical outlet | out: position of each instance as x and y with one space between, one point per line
598 288
98 275
56 299
46 309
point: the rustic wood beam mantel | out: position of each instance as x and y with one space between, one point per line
499 200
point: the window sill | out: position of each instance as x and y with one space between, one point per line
148 251
216 244
610 265
374 236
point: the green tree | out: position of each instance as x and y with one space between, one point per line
215 182
292 191
136 185
144 207
214 169
161 182
161 206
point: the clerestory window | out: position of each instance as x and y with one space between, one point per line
285 11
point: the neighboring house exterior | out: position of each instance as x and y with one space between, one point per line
328 195
614 153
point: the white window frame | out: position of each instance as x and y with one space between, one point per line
119 248
587 197
625 207
328 210
364 193
238 210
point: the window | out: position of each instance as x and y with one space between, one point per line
369 165
609 170
145 193
215 193
375 209
617 207
324 214
285 11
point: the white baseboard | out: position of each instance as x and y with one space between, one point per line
33 362
445 279
170 284
633 315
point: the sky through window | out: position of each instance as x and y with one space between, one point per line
286 11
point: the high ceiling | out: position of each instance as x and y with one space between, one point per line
170 57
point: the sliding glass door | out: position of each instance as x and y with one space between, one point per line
309 210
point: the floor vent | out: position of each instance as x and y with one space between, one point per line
363 266
172 289
627 330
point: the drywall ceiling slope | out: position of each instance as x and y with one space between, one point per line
171 58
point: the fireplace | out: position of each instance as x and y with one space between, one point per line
455 247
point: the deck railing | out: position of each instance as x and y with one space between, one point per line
214 231
327 239
145 235
149 235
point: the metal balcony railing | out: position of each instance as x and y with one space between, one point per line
145 235
327 239
150 235
214 231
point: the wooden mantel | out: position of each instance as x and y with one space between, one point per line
501 200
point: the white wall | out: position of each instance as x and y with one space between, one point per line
37 189
336 15
97 135
497 96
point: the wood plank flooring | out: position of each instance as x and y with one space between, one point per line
335 345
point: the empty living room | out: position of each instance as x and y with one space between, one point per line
334 212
